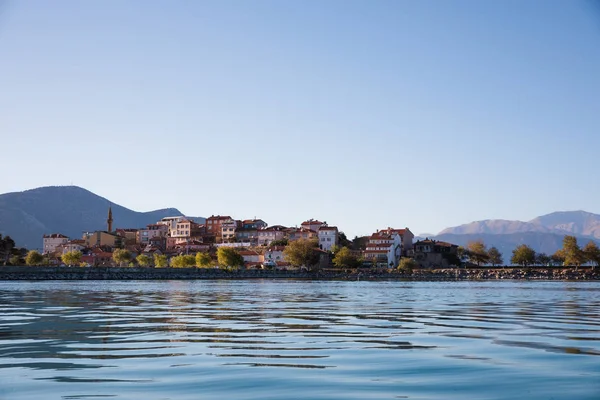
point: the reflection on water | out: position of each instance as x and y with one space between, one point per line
304 340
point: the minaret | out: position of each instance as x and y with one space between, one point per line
109 221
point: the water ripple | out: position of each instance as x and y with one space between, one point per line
311 340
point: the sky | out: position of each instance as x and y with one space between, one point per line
366 114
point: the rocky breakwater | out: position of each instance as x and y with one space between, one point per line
565 274
113 273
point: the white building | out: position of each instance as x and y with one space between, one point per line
274 255
328 237
51 242
384 249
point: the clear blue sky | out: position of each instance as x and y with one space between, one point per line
366 114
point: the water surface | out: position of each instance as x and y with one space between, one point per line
299 340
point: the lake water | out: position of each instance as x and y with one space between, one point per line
299 340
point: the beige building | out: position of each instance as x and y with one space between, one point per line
228 229
73 245
312 224
130 236
300 233
102 238
51 242
186 229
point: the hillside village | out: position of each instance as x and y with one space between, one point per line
259 244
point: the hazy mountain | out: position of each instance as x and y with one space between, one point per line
571 222
494 226
70 210
563 223
544 234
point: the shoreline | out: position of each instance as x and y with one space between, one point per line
22 273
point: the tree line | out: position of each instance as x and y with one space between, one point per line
571 254
298 253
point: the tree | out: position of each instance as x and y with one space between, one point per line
6 247
34 258
523 255
462 254
495 257
183 261
160 261
203 260
281 242
302 252
15 260
557 258
592 253
407 265
344 258
121 256
343 240
477 252
229 257
143 260
72 258
571 252
542 259
360 243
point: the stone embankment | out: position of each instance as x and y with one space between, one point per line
113 273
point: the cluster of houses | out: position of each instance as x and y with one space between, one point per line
256 241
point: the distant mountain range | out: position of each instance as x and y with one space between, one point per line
544 234
70 210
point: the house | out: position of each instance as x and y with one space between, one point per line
171 222
406 238
50 242
247 235
312 224
145 235
254 224
251 256
158 242
328 237
435 254
274 255
129 235
384 249
186 229
98 257
300 233
191 246
228 229
268 235
102 238
213 224
72 245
